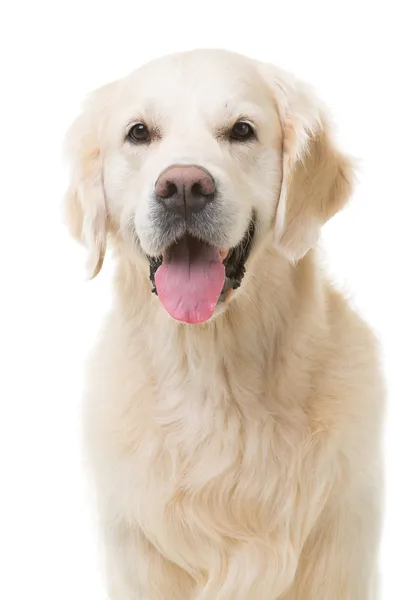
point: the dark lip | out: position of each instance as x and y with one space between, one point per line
235 262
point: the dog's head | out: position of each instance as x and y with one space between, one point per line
195 159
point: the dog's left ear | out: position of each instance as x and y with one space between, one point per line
317 178
85 203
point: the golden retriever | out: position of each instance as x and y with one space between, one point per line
234 401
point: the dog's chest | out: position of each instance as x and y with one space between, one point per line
200 460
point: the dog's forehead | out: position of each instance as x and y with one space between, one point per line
207 82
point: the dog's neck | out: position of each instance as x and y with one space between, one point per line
265 315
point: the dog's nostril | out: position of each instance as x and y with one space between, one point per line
170 190
197 190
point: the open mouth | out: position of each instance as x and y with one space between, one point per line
192 276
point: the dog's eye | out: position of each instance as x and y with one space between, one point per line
242 131
139 133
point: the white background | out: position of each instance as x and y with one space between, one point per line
52 54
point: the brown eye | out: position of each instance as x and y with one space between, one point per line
139 133
242 131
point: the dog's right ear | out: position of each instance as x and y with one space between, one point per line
85 203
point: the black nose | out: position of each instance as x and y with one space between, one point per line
185 189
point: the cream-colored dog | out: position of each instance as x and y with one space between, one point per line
234 401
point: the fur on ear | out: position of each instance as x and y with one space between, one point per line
317 179
85 203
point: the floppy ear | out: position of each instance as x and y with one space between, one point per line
85 203
317 179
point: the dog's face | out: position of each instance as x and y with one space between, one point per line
192 161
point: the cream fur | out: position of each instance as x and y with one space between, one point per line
239 459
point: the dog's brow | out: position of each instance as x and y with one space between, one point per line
242 110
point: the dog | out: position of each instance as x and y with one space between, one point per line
234 401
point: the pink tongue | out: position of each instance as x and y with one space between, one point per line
190 280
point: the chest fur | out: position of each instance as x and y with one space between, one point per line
198 455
